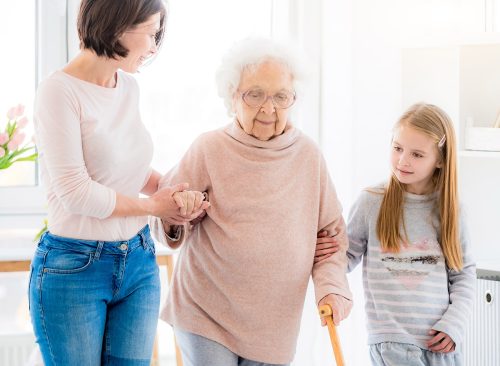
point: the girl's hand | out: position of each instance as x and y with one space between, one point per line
341 307
441 342
325 246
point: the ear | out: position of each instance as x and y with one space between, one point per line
439 164
234 101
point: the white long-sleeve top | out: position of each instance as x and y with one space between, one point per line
92 144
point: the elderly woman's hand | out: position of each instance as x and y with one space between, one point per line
341 307
163 203
325 246
191 203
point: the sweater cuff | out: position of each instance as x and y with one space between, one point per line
326 290
452 331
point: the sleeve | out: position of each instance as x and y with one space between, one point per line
329 275
357 232
461 286
191 169
59 142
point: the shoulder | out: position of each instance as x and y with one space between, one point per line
369 199
56 91
56 83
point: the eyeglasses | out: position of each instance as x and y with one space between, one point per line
257 97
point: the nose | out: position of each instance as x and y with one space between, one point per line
268 106
403 161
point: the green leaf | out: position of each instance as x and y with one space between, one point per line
40 233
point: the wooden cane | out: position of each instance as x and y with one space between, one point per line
325 311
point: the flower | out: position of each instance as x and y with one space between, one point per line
12 137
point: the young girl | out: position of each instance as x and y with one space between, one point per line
418 274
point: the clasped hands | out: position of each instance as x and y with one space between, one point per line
177 205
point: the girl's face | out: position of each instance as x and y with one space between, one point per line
140 41
414 158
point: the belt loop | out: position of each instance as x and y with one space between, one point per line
97 253
44 234
143 239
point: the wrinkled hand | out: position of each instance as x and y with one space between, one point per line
163 203
191 205
441 342
325 246
341 307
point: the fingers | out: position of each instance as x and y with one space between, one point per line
322 234
441 342
178 199
327 241
321 257
324 248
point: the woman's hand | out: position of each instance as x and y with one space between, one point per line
164 202
441 342
341 307
325 246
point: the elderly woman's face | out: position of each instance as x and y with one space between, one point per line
267 120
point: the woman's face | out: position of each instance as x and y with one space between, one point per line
140 41
271 79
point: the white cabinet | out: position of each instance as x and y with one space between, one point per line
464 80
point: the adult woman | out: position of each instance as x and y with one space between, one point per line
240 281
94 286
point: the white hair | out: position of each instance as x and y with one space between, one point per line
251 52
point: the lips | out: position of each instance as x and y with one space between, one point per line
404 172
265 122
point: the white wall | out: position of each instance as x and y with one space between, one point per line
363 97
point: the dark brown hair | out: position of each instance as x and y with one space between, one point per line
102 22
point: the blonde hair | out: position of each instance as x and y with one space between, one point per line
435 123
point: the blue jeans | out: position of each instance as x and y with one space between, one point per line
197 350
398 354
95 302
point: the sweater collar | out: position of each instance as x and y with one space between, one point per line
286 139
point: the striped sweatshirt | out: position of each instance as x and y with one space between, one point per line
410 292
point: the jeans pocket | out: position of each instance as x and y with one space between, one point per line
63 261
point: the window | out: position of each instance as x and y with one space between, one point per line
35 34
178 91
17 35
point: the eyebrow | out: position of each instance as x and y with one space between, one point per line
413 150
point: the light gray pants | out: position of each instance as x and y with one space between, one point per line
200 351
399 354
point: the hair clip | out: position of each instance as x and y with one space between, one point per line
442 141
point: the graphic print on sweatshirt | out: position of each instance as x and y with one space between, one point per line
413 263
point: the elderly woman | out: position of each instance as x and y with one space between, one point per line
240 281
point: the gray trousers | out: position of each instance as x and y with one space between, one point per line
399 354
200 351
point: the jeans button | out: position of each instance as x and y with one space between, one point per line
124 246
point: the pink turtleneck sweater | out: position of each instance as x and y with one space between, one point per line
242 274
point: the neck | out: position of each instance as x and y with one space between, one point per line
93 69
